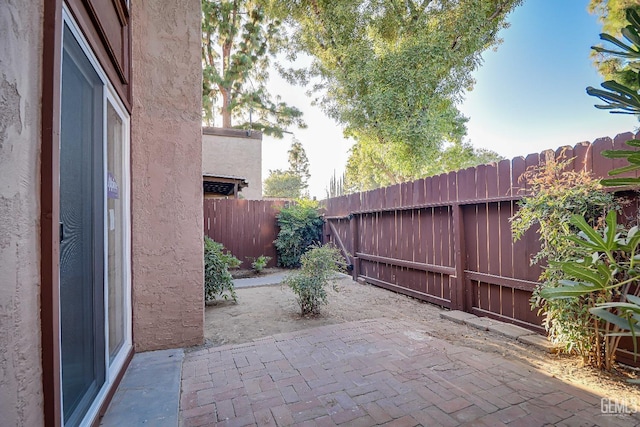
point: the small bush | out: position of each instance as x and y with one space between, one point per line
260 263
318 267
558 193
300 227
217 279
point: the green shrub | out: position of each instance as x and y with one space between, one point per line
318 267
556 195
609 277
217 279
300 227
260 263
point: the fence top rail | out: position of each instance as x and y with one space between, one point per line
491 183
427 205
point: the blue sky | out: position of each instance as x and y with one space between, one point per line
529 95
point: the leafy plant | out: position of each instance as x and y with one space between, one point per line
608 276
625 312
619 98
260 263
318 267
612 15
217 279
557 193
300 227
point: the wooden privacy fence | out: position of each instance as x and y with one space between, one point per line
447 239
246 227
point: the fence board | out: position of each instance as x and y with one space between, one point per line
247 228
601 165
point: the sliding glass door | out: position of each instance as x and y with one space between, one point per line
81 232
95 313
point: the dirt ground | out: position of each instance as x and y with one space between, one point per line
267 310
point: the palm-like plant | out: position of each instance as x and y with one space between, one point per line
609 276
618 98
614 269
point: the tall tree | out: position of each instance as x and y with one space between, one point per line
299 163
282 184
392 71
238 40
612 16
292 183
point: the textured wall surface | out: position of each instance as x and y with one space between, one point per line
166 175
20 77
239 156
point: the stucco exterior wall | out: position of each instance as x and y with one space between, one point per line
21 399
166 175
230 152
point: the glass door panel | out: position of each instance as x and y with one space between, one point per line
81 232
116 278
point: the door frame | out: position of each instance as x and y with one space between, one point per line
53 26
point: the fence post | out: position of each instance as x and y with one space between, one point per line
460 256
354 238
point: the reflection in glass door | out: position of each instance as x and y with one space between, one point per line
116 232
81 232
95 261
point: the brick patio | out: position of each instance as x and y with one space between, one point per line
375 372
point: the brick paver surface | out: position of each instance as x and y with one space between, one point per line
375 372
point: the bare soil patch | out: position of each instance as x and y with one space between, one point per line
269 310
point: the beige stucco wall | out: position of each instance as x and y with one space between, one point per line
229 152
21 400
167 252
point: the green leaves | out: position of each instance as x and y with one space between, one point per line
593 274
569 289
318 267
292 183
632 156
217 279
630 33
300 227
392 73
599 278
591 239
238 40
617 97
621 61
282 184
627 318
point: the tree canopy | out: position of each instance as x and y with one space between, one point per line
366 171
282 184
292 183
299 163
392 72
611 14
238 40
